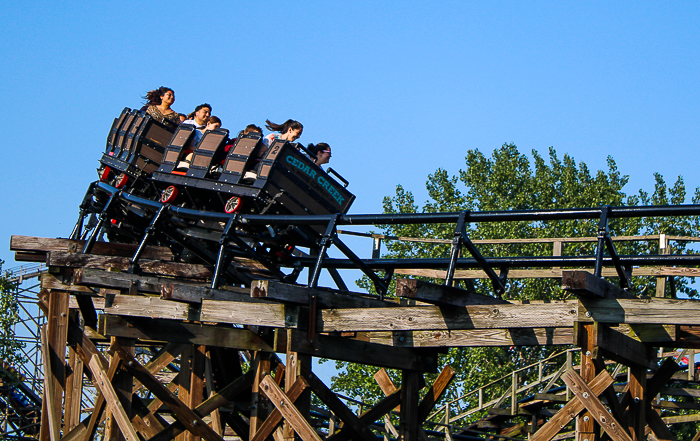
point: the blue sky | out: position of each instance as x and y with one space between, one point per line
398 89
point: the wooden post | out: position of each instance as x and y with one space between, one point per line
409 424
184 382
196 394
638 402
661 281
74 391
586 429
258 405
123 385
296 362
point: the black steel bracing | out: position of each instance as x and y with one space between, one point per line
239 234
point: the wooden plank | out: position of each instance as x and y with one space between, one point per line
589 398
44 245
356 351
273 315
640 311
196 394
288 410
177 332
151 307
442 294
102 382
260 365
74 391
452 318
409 422
350 420
50 281
154 267
185 415
658 426
435 392
295 362
567 413
384 381
370 416
50 392
275 417
118 280
585 284
195 294
621 348
472 337
325 298
552 273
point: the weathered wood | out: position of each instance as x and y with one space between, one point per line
472 337
442 294
409 422
44 245
380 409
177 332
325 298
154 267
640 311
275 417
444 318
196 394
151 307
384 381
273 315
50 393
185 415
50 281
295 363
588 397
435 392
288 410
118 280
619 347
585 284
195 294
567 413
74 392
260 365
657 425
356 351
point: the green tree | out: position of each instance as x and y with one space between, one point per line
508 180
10 347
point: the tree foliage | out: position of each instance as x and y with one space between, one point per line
10 347
509 180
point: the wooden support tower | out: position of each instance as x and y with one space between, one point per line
171 358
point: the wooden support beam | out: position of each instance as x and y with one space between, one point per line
74 392
585 284
52 418
640 311
567 413
184 292
260 365
415 318
56 339
118 280
548 273
178 332
435 392
370 416
296 362
184 414
442 294
275 417
44 245
151 307
356 351
619 347
588 397
196 393
409 422
471 337
288 410
152 267
325 298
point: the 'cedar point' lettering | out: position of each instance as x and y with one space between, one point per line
320 179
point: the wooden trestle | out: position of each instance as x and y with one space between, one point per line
91 300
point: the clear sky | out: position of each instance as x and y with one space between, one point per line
397 88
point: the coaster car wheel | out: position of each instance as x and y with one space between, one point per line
168 195
121 180
233 204
105 173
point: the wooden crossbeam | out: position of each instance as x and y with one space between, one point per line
550 273
187 416
442 294
620 347
585 284
275 417
288 410
435 392
640 311
118 280
44 245
184 292
370 416
589 398
570 410
471 337
325 298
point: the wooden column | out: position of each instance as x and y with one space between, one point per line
409 424
638 402
123 385
74 392
184 381
586 427
296 362
661 281
196 394
56 336
258 404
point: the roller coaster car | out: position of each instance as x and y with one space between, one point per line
247 177
135 147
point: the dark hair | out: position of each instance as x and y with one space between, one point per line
200 107
153 96
190 115
182 115
252 128
283 128
214 120
316 149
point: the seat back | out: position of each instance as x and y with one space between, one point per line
180 141
211 142
114 131
241 157
127 153
147 149
122 133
